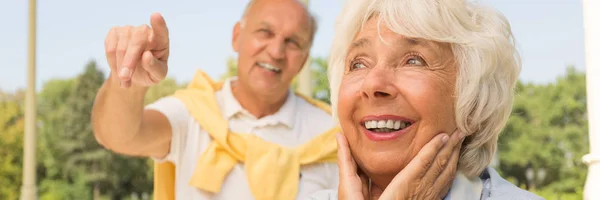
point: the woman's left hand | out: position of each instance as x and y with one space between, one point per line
430 174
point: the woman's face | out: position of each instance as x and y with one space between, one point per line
395 96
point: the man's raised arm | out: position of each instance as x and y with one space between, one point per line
138 59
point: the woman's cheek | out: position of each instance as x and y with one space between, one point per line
348 97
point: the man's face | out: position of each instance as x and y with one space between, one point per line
272 45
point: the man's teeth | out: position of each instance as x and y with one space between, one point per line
386 124
269 67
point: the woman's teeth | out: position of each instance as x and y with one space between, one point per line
386 125
269 67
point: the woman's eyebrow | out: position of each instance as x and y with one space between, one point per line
361 43
414 42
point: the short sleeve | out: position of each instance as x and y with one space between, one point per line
177 114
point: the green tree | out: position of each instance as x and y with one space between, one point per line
84 160
164 88
78 149
547 136
231 68
53 183
51 111
320 81
70 162
11 145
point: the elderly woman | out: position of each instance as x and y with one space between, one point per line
403 71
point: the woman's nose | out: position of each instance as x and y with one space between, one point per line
379 84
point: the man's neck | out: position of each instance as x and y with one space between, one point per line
258 105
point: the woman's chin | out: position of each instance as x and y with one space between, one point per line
382 165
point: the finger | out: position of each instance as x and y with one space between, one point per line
157 70
442 158
417 167
159 37
110 48
137 45
364 179
444 181
346 164
421 162
124 35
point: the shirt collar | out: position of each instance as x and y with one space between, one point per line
465 188
232 107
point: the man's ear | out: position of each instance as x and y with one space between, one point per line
235 37
306 59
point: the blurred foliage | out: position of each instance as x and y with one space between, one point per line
70 163
164 88
231 70
11 145
546 135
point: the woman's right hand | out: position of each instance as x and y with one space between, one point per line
353 184
433 169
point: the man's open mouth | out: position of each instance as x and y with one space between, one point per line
269 67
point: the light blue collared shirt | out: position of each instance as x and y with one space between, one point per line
492 186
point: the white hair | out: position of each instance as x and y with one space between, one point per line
313 20
488 64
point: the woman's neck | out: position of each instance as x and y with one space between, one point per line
375 192
376 189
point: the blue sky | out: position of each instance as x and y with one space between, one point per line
70 33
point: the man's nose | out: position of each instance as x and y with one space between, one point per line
276 49
379 84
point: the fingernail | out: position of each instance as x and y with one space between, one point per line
124 72
445 138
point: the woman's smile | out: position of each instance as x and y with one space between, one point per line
385 127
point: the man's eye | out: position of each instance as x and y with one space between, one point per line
265 32
293 43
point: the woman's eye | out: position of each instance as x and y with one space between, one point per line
357 65
415 61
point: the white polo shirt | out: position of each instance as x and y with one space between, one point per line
296 122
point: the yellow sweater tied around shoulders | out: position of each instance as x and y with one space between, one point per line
272 170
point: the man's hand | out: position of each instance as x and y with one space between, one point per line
428 176
138 55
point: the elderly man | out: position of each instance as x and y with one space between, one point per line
287 144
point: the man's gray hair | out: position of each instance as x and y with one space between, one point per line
313 21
